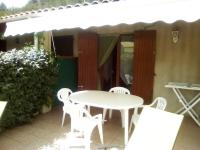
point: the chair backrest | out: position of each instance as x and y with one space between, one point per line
2 107
156 130
120 90
83 122
63 94
160 103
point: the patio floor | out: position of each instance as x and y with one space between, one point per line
46 129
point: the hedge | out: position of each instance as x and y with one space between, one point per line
27 78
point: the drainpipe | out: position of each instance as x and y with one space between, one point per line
36 41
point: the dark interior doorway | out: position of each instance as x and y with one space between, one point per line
108 71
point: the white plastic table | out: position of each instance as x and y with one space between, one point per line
188 105
109 100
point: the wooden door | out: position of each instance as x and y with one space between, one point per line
117 55
87 61
143 64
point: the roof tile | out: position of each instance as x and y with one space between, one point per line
38 12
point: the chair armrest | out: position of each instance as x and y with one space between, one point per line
98 117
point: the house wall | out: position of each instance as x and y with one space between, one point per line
19 41
175 62
47 40
178 62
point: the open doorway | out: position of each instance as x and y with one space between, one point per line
117 69
126 60
108 71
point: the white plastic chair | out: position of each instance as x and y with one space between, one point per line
158 103
82 125
156 130
119 90
63 96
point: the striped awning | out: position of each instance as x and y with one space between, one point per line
122 12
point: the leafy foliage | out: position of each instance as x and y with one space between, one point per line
27 78
39 4
3 9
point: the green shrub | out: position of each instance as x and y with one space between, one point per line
27 78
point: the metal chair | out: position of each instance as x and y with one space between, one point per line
119 90
158 103
63 96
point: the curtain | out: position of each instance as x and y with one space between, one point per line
106 46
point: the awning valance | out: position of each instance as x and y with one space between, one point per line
113 13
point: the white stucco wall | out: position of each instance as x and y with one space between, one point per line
178 62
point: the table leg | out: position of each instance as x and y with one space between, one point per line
191 106
190 102
88 108
122 117
104 114
183 101
182 98
125 126
187 107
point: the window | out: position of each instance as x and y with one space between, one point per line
63 45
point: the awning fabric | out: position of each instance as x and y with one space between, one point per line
113 13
